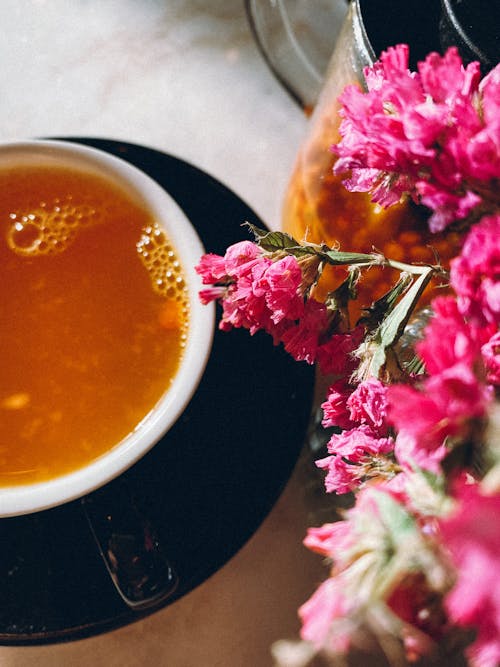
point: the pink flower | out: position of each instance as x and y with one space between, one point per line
417 418
241 307
336 355
472 537
353 453
373 137
379 554
447 205
256 291
342 476
280 285
411 452
445 80
483 149
431 134
357 443
327 605
368 404
335 410
449 339
212 269
329 539
445 406
213 293
416 604
491 358
475 273
239 258
302 339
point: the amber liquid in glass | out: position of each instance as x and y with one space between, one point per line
93 319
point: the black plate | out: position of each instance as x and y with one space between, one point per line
206 486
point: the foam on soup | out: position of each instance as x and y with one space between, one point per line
93 319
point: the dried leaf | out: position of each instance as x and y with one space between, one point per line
393 325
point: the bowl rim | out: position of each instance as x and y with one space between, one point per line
28 498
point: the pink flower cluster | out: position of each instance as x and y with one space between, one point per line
475 274
472 537
461 351
256 292
263 291
433 134
392 432
441 408
359 451
413 425
420 546
329 604
360 548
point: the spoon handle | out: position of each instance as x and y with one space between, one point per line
129 546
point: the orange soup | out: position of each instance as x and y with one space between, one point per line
93 319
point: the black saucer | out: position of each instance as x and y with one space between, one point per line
207 485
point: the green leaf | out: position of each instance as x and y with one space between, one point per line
345 292
436 482
415 366
275 241
338 258
381 307
272 241
396 519
393 325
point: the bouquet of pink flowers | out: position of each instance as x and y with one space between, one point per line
414 409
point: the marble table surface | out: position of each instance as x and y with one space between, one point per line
185 77
182 76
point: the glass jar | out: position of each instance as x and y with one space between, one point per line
319 209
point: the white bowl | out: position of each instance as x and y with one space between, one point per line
23 499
